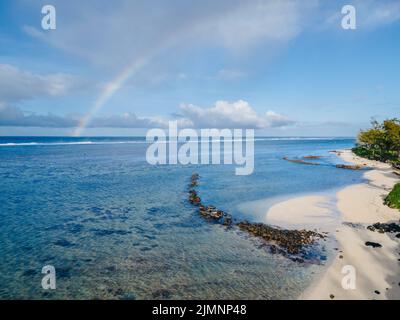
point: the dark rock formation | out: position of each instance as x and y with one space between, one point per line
301 161
227 220
353 225
282 241
385 227
373 244
208 212
291 240
194 198
194 180
211 212
312 157
349 166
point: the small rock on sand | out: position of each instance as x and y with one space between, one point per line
373 244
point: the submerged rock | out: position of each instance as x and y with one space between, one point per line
301 161
292 241
194 198
211 212
227 220
194 180
208 212
282 241
161 294
63 243
349 166
353 225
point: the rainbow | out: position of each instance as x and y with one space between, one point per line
108 91
113 86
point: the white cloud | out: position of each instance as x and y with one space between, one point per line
375 13
11 116
132 30
112 35
14 116
250 22
238 114
370 14
130 120
17 84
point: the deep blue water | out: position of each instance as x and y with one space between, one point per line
114 226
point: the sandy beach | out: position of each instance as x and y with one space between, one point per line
377 269
316 213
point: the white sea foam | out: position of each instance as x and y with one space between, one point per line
23 144
67 143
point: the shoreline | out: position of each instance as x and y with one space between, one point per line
376 269
318 212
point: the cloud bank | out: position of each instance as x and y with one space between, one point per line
238 114
17 85
133 29
12 116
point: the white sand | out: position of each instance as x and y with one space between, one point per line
316 212
376 268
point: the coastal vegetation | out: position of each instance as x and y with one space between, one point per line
393 198
381 142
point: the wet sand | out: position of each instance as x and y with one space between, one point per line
316 212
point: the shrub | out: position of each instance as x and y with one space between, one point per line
393 198
381 142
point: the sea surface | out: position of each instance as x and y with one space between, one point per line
115 227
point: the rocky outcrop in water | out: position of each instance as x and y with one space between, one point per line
312 157
292 241
349 167
194 198
286 242
301 161
339 166
207 212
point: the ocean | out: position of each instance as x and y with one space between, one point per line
115 227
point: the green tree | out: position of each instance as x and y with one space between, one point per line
392 135
381 142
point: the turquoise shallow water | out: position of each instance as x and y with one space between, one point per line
115 227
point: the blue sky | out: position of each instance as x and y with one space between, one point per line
283 67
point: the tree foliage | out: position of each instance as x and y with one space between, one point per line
380 142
